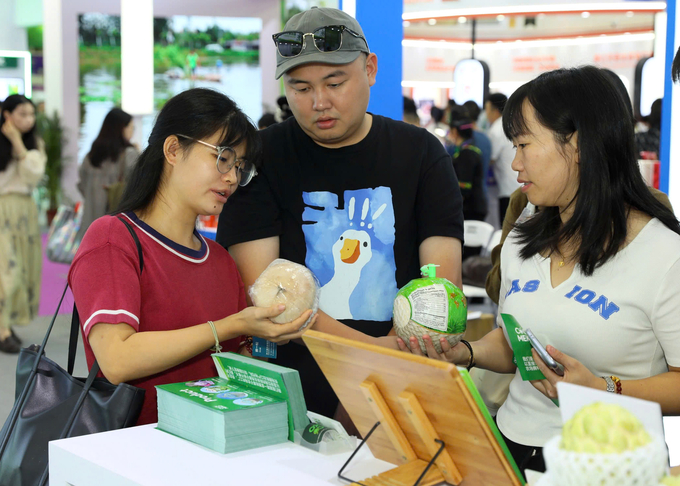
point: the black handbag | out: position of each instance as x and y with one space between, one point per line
52 404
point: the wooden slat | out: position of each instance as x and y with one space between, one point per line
429 435
382 413
406 475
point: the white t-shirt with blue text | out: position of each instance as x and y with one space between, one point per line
624 320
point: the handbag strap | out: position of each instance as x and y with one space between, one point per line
75 319
137 243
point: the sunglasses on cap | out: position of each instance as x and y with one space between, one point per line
326 39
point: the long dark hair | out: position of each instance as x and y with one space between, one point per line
197 113
583 101
29 138
110 142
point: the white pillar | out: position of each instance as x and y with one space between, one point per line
136 52
53 57
271 24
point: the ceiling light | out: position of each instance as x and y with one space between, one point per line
406 23
585 15
462 20
427 84
491 46
432 21
630 14
500 17
535 10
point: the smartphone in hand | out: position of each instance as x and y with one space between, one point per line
543 353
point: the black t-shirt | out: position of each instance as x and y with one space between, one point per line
388 192
355 215
467 162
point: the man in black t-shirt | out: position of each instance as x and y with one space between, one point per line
362 200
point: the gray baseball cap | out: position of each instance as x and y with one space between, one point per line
313 19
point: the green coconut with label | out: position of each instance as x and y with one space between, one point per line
430 305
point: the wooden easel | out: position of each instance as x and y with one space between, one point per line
420 404
407 474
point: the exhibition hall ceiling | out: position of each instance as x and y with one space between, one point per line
507 27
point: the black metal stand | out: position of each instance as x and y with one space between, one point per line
420 478
354 454
429 464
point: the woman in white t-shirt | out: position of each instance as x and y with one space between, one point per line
594 274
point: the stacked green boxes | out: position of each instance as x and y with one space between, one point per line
222 416
251 404
273 380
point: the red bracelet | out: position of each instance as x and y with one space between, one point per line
617 381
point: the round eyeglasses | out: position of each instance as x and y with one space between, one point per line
227 160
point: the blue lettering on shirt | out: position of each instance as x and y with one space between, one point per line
530 286
601 304
513 288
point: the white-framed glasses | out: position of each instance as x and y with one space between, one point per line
227 160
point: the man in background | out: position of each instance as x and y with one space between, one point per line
502 152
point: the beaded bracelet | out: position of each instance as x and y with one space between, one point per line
617 381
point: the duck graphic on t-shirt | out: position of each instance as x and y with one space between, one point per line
351 251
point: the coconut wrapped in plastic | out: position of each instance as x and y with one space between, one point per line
289 283
430 305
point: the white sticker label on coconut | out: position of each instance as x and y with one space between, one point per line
430 307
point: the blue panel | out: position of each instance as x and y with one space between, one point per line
382 25
665 150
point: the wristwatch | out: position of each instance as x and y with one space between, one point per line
611 387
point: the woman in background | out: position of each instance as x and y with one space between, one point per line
649 141
467 162
22 165
108 163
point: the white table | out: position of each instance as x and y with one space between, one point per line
146 456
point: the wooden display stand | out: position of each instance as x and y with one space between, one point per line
425 411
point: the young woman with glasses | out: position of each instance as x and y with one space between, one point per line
157 323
